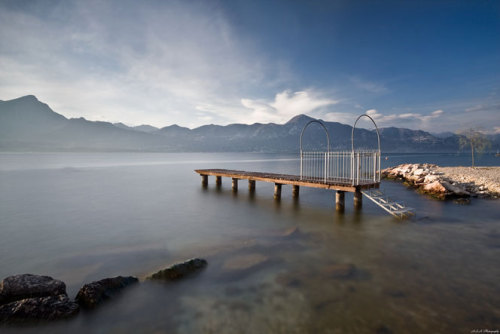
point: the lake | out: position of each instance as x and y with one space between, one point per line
81 217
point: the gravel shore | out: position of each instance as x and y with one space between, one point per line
449 182
486 177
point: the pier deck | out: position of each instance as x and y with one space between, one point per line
294 180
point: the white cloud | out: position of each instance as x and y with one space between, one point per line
285 106
151 63
404 117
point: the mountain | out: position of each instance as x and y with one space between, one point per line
445 134
28 124
141 128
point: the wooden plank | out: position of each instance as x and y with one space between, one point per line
285 179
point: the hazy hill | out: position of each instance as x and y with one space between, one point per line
141 128
28 124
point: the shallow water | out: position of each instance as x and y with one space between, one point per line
81 217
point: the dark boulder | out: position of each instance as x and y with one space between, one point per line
23 286
90 295
38 308
180 270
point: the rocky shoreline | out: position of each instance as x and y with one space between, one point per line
448 182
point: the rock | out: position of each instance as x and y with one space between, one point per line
180 270
419 181
92 294
382 329
342 270
418 172
435 187
288 280
430 178
38 308
454 189
292 232
462 201
244 262
23 286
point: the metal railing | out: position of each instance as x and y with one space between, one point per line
346 167
353 167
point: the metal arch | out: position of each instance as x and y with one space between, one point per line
324 128
354 127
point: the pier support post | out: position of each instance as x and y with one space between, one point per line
218 181
277 190
340 201
358 199
295 191
235 185
204 180
251 185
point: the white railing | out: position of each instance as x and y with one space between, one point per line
345 167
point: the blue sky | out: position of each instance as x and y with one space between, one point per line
432 65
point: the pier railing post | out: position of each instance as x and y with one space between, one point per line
326 167
352 167
378 163
301 163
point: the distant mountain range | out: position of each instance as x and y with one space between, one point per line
27 124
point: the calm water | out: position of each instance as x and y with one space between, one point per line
82 217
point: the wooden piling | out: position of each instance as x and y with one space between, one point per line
277 190
218 181
204 180
358 199
340 201
294 180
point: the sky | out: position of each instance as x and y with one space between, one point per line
430 65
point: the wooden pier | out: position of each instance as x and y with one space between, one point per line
356 171
339 185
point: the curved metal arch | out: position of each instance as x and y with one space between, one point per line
354 127
324 128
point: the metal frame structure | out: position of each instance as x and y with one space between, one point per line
341 167
366 164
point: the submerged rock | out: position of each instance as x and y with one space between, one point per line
245 262
292 232
92 294
23 286
342 270
180 270
38 308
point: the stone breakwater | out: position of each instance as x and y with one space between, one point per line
448 182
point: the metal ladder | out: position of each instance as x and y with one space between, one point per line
398 210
